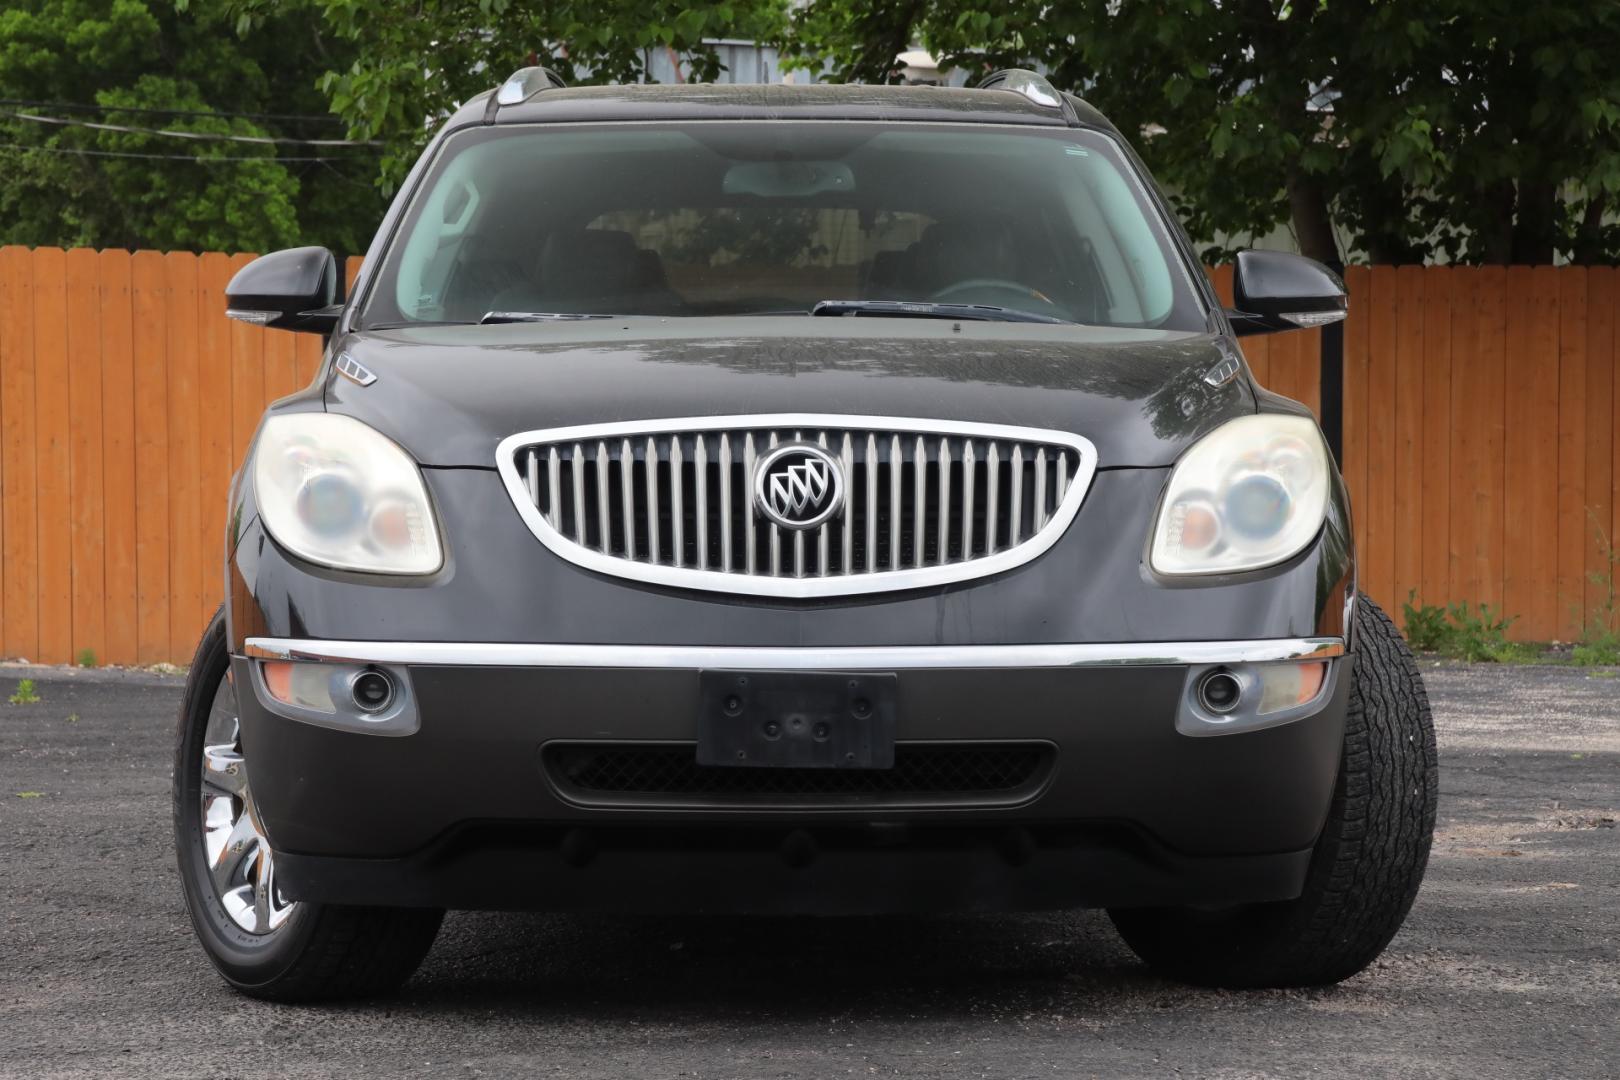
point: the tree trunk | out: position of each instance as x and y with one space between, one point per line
1496 237
1533 239
1589 238
1313 225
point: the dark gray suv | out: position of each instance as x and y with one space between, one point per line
792 500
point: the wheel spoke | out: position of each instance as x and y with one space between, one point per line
222 716
240 862
263 897
240 845
223 769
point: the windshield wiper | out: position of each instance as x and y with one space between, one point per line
918 309
537 316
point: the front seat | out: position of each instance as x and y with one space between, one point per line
595 271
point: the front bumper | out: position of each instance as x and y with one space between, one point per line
463 812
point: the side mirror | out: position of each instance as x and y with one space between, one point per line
1276 290
295 289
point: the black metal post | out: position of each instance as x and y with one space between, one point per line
1331 369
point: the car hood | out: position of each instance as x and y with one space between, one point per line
450 394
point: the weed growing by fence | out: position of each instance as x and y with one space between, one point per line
1602 644
1477 634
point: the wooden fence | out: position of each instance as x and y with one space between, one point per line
1479 414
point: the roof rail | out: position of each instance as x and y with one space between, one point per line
1031 84
523 84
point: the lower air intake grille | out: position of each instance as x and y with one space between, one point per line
668 774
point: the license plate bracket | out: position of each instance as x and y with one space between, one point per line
797 719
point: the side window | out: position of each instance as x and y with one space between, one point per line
430 254
1124 243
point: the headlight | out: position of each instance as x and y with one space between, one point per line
335 492
1251 493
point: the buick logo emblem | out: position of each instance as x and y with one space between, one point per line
798 486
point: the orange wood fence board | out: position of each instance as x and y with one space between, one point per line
55 585
118 456
214 423
185 600
20 536
1435 429
86 484
148 293
1479 445
1602 296
1491 312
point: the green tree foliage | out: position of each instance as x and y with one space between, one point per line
413 63
1481 130
150 64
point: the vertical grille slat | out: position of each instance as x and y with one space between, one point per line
919 512
1015 516
847 458
627 498
554 485
725 504
969 463
798 534
576 468
677 503
1039 502
992 497
896 469
869 563
751 552
700 463
774 533
824 531
683 500
603 532
653 501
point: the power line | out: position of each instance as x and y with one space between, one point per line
200 136
66 106
171 157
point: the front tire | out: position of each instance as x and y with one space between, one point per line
263 944
1367 864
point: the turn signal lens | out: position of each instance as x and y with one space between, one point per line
1283 686
308 686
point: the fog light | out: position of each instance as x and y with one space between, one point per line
1283 686
369 698
372 691
1219 692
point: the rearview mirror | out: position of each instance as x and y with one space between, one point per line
295 289
1277 290
787 179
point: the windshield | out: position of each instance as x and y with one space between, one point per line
774 218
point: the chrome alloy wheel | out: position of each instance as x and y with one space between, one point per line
238 857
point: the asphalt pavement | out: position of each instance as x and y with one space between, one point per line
1509 965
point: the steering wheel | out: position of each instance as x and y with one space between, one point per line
976 288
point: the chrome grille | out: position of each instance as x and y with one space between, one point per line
670 501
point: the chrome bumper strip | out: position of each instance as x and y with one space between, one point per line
841 658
